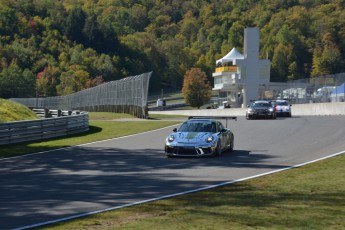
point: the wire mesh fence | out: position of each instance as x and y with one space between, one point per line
329 88
128 95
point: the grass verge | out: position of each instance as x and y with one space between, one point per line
12 111
99 130
108 116
309 197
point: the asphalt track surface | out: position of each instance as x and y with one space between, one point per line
49 186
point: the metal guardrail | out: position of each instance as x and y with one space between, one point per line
23 131
48 113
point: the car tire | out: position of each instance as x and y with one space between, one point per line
232 145
218 150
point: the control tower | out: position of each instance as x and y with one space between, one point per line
240 78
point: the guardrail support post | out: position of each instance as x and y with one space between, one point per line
46 113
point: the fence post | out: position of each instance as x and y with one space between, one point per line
46 113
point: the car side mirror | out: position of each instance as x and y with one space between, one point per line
223 130
175 130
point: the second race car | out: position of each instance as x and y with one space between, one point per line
282 107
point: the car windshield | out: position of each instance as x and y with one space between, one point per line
281 103
261 104
198 126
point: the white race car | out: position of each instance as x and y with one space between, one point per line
282 107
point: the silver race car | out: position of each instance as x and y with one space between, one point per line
200 136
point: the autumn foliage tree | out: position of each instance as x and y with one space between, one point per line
196 88
116 39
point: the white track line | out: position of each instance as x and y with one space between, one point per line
173 195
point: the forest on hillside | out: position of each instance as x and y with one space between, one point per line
57 47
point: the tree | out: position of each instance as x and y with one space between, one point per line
14 82
235 36
280 65
328 60
196 88
74 24
47 80
73 81
8 23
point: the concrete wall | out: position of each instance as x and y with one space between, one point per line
336 108
314 109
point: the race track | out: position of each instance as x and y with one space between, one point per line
59 184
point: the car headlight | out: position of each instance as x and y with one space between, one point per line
171 138
209 139
270 109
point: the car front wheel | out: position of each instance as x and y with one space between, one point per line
218 150
231 145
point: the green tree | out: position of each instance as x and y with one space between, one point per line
168 37
14 82
73 81
235 37
280 65
47 80
8 23
75 23
196 88
189 28
328 60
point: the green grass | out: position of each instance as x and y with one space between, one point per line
12 111
166 116
113 116
108 116
99 130
309 197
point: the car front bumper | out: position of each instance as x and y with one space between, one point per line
190 150
261 114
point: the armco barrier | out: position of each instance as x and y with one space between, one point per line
22 131
312 109
47 113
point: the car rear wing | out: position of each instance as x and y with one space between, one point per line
226 118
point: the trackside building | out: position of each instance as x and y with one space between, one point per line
239 78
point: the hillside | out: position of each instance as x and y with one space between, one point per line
12 111
63 46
